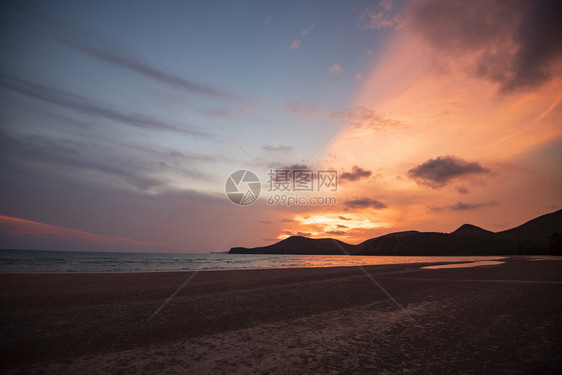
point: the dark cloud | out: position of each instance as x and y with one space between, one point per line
344 218
342 226
540 42
462 190
293 167
280 148
365 203
302 234
355 174
108 51
336 232
88 106
292 173
438 172
288 221
462 206
515 42
264 221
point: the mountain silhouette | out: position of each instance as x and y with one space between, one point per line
470 230
299 245
542 235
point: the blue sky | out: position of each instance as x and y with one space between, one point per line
237 55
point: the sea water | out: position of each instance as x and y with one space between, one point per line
74 261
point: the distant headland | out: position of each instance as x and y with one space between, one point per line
542 235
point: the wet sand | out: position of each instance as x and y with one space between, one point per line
497 318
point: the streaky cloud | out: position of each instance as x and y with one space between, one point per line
109 51
362 203
88 106
462 206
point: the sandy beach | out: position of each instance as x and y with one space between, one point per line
488 319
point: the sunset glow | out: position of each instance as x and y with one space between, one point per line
126 121
16 227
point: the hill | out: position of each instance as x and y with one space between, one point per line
470 230
542 235
299 245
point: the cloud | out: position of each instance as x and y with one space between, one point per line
371 19
308 30
461 206
360 203
386 4
280 148
293 167
108 51
312 110
302 234
268 19
380 18
344 218
516 44
88 106
336 232
295 44
290 169
288 221
354 116
336 68
88 160
359 76
78 156
438 172
356 174
462 190
264 222
284 176
366 118
342 226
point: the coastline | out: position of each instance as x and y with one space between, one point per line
277 320
37 261
460 261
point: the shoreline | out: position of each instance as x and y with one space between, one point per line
417 259
329 319
224 269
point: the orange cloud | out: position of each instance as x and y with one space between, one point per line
335 68
295 44
452 106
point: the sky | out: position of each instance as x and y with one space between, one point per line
121 122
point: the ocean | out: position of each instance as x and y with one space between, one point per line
25 261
